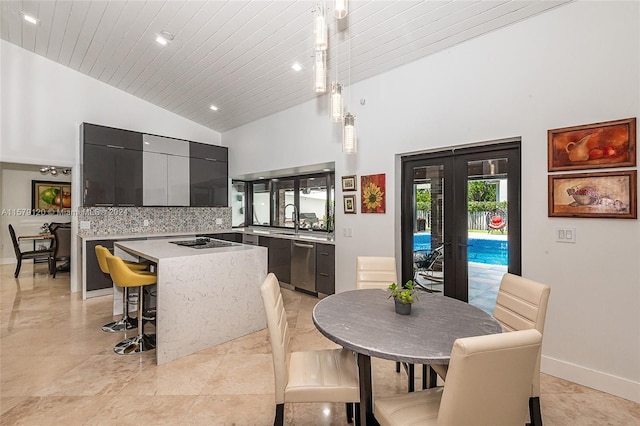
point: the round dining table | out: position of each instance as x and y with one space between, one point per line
365 322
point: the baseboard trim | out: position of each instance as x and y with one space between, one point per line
618 386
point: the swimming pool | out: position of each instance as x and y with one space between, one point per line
481 250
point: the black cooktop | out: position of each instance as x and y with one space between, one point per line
203 243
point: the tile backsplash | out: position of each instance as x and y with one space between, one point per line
131 220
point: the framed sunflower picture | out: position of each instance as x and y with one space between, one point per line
373 193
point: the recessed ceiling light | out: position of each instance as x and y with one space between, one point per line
296 66
30 19
164 37
213 108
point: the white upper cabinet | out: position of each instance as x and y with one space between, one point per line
165 171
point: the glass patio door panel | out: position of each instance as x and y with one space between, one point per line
428 232
449 201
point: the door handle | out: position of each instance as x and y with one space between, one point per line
309 246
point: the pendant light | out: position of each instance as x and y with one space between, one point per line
320 72
349 141
336 105
320 31
340 8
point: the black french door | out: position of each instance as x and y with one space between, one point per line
436 215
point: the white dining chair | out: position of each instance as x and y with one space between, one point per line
488 383
329 375
521 305
375 272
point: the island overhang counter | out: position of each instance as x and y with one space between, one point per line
205 297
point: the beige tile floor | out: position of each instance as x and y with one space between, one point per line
57 367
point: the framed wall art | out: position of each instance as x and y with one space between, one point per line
349 183
599 145
349 204
47 196
605 195
373 189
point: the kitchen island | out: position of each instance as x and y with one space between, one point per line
205 296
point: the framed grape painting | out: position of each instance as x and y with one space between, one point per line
602 195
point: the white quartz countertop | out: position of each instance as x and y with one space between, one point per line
309 236
158 249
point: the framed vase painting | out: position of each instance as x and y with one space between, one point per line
49 197
373 189
592 146
605 194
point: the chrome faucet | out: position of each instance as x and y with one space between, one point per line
295 217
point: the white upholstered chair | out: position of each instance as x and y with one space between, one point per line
378 272
521 305
488 383
329 375
375 272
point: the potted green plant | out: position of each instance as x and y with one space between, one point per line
403 296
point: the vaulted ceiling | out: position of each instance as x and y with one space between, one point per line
237 55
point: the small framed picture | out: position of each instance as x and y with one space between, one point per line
350 204
349 183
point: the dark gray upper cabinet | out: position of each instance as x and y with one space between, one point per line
114 170
112 166
208 175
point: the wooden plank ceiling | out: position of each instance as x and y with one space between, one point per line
238 54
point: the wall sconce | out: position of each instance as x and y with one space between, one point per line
349 141
336 103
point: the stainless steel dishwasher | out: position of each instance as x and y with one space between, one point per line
303 265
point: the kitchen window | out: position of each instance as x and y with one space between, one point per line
273 202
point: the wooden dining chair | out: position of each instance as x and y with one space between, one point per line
32 254
521 305
329 375
488 383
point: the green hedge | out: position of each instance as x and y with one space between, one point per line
474 206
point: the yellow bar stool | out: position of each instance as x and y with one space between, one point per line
126 322
124 277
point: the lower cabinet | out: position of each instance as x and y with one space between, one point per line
234 237
96 279
325 268
279 257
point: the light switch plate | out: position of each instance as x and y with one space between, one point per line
348 232
85 224
566 235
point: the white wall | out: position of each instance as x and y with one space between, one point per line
15 181
43 103
575 65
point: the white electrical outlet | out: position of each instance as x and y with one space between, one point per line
146 222
566 235
85 224
218 221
